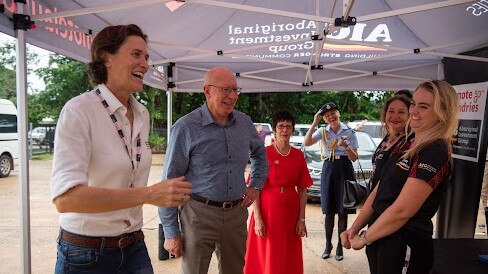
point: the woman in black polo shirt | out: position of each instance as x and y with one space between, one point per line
394 117
400 208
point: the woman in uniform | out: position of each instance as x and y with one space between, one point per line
338 146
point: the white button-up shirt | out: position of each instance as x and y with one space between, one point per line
89 151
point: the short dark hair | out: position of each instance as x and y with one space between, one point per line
108 40
280 116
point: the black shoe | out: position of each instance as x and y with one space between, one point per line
339 255
328 249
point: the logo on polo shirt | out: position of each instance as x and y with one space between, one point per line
427 167
403 164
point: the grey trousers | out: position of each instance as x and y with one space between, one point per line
206 229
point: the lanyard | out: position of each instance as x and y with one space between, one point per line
135 168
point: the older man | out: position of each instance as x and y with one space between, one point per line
210 147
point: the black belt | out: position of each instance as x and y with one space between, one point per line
336 158
121 241
224 205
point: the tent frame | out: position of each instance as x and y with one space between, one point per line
172 66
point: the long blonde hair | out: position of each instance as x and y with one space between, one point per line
446 108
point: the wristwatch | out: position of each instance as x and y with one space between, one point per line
362 235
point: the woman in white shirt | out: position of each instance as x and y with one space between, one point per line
102 160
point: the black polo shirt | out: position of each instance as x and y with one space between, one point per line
432 165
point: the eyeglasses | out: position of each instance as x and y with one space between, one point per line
287 127
228 90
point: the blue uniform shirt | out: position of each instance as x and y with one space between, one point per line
346 131
213 158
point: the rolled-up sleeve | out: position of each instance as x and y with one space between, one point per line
72 151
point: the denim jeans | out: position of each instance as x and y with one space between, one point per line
133 259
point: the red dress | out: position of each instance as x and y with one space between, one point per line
280 250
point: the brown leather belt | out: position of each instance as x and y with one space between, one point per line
121 241
224 205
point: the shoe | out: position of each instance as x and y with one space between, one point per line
339 255
328 249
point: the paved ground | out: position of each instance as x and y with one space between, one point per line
44 229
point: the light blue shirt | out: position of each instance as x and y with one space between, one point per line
213 158
346 131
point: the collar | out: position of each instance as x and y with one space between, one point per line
208 119
114 104
341 129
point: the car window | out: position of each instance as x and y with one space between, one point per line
266 127
300 131
373 130
365 142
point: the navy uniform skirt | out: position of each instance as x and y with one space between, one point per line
334 173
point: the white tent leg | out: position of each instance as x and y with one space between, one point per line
25 240
169 102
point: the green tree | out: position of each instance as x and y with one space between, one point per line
8 89
7 84
65 78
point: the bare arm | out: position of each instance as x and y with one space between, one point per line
361 220
413 195
259 227
301 229
85 199
352 154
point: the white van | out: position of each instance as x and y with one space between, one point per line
9 138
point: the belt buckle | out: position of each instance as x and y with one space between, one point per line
282 189
227 205
337 157
125 241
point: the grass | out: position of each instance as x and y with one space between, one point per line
42 157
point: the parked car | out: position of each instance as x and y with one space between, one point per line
373 128
366 150
38 134
296 140
269 139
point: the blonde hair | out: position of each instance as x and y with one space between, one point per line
446 108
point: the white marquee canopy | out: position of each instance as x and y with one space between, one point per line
273 45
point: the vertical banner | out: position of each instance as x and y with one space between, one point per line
472 101
458 211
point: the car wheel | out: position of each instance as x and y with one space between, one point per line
5 165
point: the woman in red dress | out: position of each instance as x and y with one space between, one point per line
274 242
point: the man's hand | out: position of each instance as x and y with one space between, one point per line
249 197
174 246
